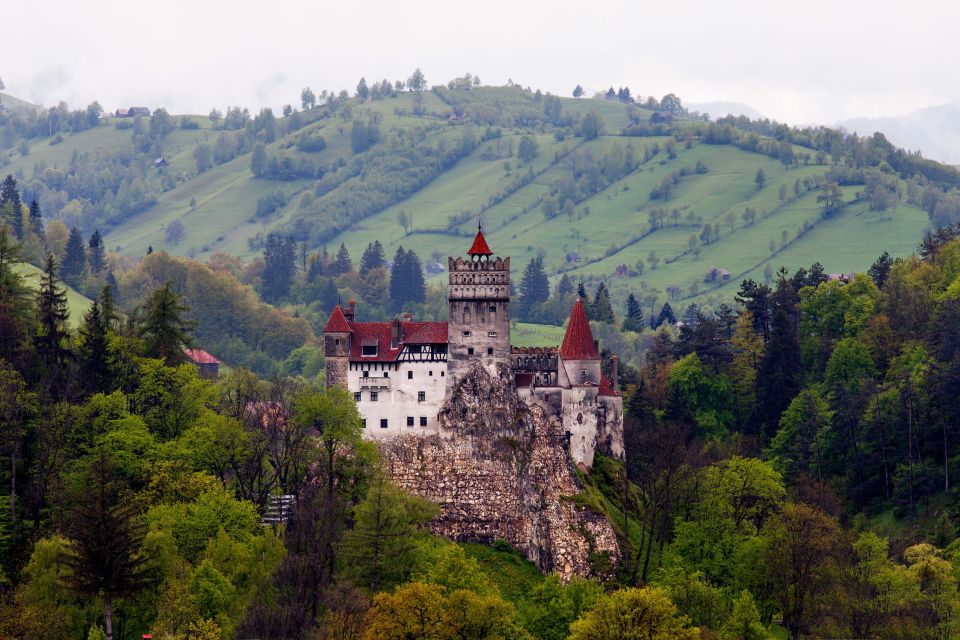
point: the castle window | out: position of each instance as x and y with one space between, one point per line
583 375
442 373
366 374
336 341
409 421
386 374
409 375
356 397
423 421
493 308
383 423
373 396
469 351
421 396
466 334
363 423
492 334
489 351
368 350
431 373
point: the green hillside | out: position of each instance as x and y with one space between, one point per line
604 234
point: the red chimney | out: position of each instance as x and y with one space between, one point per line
351 310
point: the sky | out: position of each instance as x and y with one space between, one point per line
816 61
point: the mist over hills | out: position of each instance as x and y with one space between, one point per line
934 131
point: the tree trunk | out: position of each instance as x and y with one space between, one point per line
108 616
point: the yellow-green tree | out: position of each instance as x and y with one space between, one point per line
634 614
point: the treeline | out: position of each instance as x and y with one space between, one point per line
768 445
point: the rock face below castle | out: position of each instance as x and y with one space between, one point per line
499 469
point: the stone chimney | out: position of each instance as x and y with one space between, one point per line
407 316
351 310
396 333
614 374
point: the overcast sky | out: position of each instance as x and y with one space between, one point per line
802 62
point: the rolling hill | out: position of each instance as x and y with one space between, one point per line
606 235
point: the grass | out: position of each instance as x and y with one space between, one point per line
515 577
523 334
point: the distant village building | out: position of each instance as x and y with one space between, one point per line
572 257
433 268
842 277
714 275
207 365
160 162
132 112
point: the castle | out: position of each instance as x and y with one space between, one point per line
401 372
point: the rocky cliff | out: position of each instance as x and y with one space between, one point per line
500 470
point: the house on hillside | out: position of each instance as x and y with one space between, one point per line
160 162
433 268
206 364
572 257
714 274
132 112
661 117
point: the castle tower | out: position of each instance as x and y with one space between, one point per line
478 310
578 353
336 347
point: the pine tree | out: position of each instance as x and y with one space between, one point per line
52 338
633 321
582 294
279 265
163 329
16 302
778 376
398 281
534 287
11 206
93 352
105 539
373 258
416 282
97 254
329 296
36 220
74 259
342 264
880 269
602 310
565 286
666 315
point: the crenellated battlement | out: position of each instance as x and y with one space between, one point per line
461 265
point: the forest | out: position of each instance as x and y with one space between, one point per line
788 469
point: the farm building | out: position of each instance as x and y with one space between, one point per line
207 365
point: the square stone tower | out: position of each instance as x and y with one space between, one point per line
478 298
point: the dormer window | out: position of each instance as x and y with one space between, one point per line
369 349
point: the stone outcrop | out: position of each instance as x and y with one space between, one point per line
500 469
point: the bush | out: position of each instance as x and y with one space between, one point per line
311 143
270 203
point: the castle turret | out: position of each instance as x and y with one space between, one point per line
578 353
479 310
336 347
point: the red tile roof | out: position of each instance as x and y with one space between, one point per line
578 341
480 247
337 322
606 389
199 356
378 333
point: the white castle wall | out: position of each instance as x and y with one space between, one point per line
397 396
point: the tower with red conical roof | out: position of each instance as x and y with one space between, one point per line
478 299
579 356
336 346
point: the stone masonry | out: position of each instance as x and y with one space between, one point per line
499 469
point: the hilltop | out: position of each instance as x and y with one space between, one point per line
586 201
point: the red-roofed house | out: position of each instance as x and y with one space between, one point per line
401 372
208 366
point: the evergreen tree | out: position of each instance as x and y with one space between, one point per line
163 329
373 258
93 352
74 259
565 286
880 269
52 338
582 294
342 264
602 311
106 534
329 296
97 253
633 321
11 206
279 266
16 302
318 266
416 282
36 220
398 294
778 375
666 315
534 287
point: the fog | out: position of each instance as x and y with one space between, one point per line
802 62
